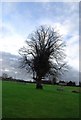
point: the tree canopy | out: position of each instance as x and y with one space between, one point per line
44 54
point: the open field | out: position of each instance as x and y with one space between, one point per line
22 100
0 100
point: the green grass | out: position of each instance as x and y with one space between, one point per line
0 99
24 101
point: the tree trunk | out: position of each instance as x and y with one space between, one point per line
39 85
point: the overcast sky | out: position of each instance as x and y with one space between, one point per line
21 18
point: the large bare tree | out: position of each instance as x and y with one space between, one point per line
44 54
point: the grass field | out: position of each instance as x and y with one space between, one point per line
24 101
0 100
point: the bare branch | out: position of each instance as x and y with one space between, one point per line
44 46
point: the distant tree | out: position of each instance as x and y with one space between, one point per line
4 75
80 84
44 54
70 83
61 81
10 77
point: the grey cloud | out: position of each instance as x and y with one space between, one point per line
11 63
71 75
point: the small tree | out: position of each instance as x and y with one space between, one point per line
4 75
44 54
